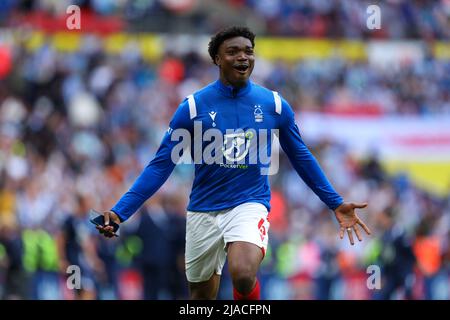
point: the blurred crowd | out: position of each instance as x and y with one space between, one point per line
77 128
425 19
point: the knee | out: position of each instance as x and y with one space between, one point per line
243 277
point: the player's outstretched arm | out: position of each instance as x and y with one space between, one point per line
310 171
153 176
349 220
303 161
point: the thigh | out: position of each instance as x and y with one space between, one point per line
246 223
244 258
205 255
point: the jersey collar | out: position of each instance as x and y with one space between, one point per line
230 91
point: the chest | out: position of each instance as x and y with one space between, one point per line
236 114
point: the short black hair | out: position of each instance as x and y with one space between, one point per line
228 33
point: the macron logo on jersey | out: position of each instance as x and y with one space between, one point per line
213 114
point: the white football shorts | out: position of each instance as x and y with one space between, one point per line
208 233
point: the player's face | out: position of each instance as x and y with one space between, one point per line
235 60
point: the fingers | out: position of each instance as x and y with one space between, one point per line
350 236
107 231
106 217
341 233
357 232
366 229
359 205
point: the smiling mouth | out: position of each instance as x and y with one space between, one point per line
242 68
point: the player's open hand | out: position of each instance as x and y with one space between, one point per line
349 220
107 230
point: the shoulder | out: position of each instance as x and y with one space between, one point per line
199 98
262 91
204 92
190 103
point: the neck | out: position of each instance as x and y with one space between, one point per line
234 85
231 90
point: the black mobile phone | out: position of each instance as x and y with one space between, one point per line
98 219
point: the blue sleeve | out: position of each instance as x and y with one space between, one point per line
303 161
157 171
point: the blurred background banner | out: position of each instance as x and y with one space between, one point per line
417 147
83 110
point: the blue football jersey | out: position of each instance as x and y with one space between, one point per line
228 134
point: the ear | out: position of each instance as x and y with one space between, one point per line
217 60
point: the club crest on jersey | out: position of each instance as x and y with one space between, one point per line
258 114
